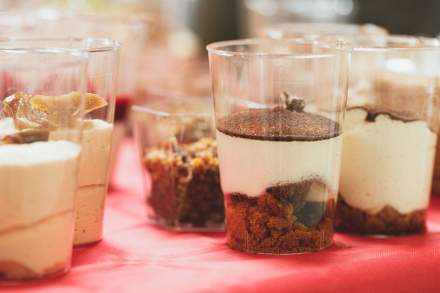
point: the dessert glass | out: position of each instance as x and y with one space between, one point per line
178 152
42 88
130 31
390 135
96 139
279 146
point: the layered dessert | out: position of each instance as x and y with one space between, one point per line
185 185
38 175
279 172
93 180
386 171
93 176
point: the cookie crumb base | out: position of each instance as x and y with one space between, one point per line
270 225
388 221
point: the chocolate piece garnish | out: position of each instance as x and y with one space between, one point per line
293 103
278 124
312 213
293 194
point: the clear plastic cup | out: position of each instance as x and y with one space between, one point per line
390 135
314 30
130 31
279 146
98 138
178 153
42 89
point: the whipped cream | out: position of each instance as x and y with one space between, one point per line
249 166
386 162
37 192
37 180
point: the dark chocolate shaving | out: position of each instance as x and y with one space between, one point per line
293 103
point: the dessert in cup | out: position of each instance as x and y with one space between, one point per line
96 144
130 31
179 156
390 136
279 155
41 109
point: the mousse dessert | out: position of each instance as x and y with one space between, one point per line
93 177
279 170
38 175
185 189
387 163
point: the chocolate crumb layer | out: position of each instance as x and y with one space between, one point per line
278 124
280 221
185 185
386 222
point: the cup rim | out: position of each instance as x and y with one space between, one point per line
412 43
61 45
335 47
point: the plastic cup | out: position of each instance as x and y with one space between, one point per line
42 89
390 135
178 154
279 146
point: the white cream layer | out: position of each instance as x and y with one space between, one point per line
249 166
96 147
388 162
37 192
42 247
93 181
90 202
37 180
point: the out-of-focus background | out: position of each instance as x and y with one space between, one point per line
163 41
178 30
198 22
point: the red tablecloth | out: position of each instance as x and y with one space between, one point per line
137 257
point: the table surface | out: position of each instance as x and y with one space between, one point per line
138 257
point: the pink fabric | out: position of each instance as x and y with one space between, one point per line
137 257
